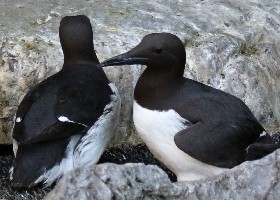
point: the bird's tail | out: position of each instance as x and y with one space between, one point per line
33 160
262 147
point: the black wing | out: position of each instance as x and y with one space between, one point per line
223 128
82 103
30 164
220 145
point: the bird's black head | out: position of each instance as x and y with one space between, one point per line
76 39
159 51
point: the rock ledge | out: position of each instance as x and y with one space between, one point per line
251 180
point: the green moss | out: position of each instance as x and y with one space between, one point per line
185 42
195 33
248 50
42 20
34 25
189 43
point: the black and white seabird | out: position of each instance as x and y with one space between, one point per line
67 120
195 130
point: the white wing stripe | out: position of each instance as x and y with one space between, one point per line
66 119
263 134
18 119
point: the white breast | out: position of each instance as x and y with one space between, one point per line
157 129
160 125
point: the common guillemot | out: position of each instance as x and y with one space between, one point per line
67 120
195 130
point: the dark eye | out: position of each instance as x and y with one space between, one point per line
158 50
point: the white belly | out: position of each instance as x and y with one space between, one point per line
157 129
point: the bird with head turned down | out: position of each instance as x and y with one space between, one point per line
67 120
195 130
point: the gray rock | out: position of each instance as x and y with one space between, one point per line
251 180
231 45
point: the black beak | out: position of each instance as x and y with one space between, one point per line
123 59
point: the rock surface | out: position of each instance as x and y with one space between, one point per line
232 45
118 155
251 180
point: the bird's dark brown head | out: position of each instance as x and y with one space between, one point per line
159 51
76 38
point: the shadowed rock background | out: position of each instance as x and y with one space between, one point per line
231 45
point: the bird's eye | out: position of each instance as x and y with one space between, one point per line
158 50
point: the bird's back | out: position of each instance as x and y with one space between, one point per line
78 91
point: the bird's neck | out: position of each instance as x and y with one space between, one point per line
77 52
72 58
154 84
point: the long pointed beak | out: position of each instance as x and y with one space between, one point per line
122 59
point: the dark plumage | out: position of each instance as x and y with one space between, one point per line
62 109
212 126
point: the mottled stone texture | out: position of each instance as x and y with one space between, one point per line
232 45
251 180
